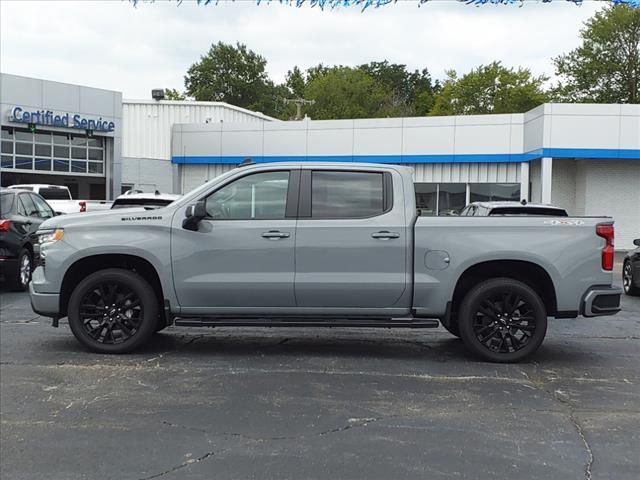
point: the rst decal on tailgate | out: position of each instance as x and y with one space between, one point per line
565 222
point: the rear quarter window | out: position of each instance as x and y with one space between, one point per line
6 203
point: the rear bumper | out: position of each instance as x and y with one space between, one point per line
599 301
45 304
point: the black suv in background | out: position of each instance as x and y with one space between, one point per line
21 213
631 271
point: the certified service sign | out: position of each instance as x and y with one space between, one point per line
64 120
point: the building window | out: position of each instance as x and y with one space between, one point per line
451 198
52 152
125 187
492 192
427 198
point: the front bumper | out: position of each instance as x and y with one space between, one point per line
599 301
45 304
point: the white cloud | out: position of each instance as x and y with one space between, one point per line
111 44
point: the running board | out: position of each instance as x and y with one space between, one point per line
308 322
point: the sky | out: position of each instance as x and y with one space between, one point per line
113 45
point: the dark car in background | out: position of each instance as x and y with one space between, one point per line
631 271
485 209
21 213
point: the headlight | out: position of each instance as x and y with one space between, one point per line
50 236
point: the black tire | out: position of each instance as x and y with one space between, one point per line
628 280
502 320
113 311
161 324
19 280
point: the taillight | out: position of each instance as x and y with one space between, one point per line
605 230
4 225
83 207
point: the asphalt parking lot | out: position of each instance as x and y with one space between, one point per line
318 403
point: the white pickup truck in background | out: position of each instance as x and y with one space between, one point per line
60 199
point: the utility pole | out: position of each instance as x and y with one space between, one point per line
299 102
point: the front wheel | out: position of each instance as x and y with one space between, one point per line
628 280
502 320
19 280
113 311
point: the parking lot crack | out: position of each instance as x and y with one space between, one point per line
187 463
352 423
560 398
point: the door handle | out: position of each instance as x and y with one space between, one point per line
275 234
385 235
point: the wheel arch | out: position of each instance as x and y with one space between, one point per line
93 263
529 273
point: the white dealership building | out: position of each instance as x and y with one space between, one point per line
583 157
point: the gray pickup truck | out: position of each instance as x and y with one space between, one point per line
317 244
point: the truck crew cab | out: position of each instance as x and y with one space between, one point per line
319 244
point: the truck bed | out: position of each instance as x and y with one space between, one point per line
567 248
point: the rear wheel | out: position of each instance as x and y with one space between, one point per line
628 280
113 311
502 320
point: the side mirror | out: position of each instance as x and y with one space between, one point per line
193 214
636 242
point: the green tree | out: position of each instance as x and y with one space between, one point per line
173 94
490 88
296 82
235 75
412 92
343 92
606 67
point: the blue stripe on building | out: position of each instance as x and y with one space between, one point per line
586 153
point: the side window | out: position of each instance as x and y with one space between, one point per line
26 206
43 207
346 194
261 196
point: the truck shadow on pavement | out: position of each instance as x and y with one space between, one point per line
430 347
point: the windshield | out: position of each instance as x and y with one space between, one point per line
55 193
6 202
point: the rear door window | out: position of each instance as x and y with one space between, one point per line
26 206
338 195
44 210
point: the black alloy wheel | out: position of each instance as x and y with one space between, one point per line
113 311
20 278
502 320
